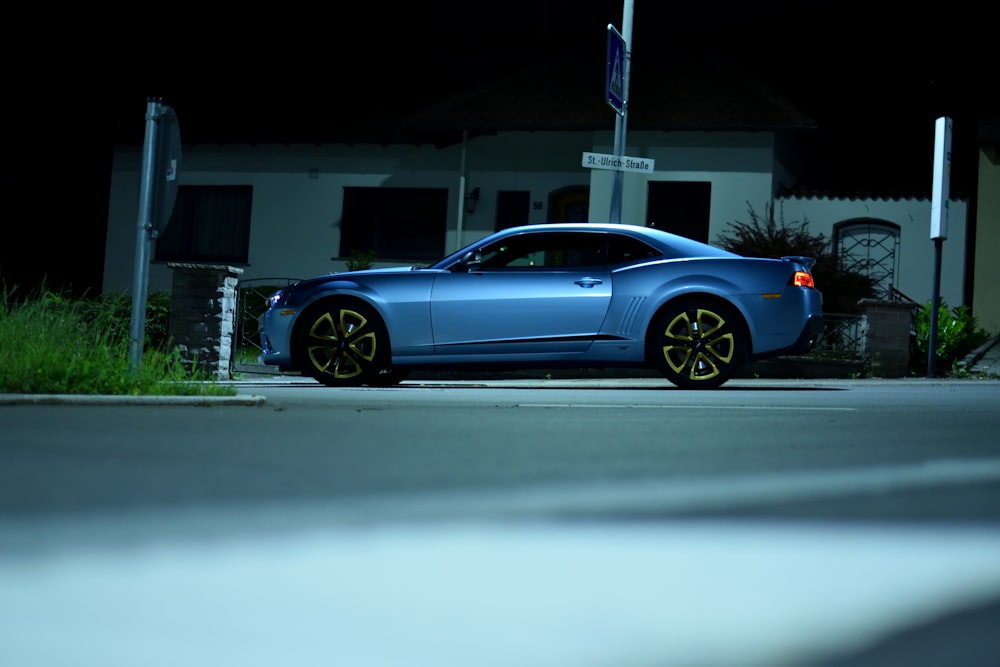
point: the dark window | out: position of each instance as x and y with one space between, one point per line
512 208
394 223
542 250
209 223
623 249
680 207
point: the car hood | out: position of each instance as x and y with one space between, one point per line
386 269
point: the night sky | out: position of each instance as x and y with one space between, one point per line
874 80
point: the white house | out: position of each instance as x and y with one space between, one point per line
292 227
284 211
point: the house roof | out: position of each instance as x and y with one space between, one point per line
863 134
562 93
568 95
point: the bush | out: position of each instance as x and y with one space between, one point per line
767 236
958 334
361 259
50 344
112 311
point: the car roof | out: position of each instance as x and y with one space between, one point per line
678 246
673 245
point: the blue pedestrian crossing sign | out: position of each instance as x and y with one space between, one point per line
615 79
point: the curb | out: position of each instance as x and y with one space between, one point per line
109 399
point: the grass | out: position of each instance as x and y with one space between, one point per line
53 345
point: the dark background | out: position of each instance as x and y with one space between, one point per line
77 83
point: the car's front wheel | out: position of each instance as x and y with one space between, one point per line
698 345
343 343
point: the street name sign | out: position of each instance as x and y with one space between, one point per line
618 162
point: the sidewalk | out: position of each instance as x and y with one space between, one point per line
985 359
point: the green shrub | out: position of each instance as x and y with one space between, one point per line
958 334
361 259
50 344
769 236
112 311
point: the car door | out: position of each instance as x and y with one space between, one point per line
537 293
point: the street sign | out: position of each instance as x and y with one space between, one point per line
166 163
618 162
614 82
942 178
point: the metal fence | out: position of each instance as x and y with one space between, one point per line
251 302
843 336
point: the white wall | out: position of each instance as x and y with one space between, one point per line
298 193
738 165
915 276
536 162
297 201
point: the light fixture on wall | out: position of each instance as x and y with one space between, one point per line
471 200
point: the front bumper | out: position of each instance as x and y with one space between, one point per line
275 337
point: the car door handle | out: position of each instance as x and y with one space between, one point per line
589 282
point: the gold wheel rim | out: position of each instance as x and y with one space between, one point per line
697 345
344 347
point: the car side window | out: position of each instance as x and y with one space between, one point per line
541 250
622 249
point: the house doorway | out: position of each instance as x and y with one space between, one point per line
570 204
680 207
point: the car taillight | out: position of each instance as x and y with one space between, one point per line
802 279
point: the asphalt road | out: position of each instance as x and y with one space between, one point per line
520 522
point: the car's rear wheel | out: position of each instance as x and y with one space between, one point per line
698 345
343 343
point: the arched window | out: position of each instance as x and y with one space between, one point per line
869 247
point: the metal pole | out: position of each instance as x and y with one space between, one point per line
143 238
461 192
621 120
935 300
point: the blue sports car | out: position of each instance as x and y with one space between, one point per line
587 295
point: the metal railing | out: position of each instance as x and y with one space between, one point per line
251 302
843 336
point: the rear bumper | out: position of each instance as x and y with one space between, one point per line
811 334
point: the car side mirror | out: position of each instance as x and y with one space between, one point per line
474 261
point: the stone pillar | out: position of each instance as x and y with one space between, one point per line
887 338
203 315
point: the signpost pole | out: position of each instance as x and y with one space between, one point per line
940 193
143 237
157 191
621 118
